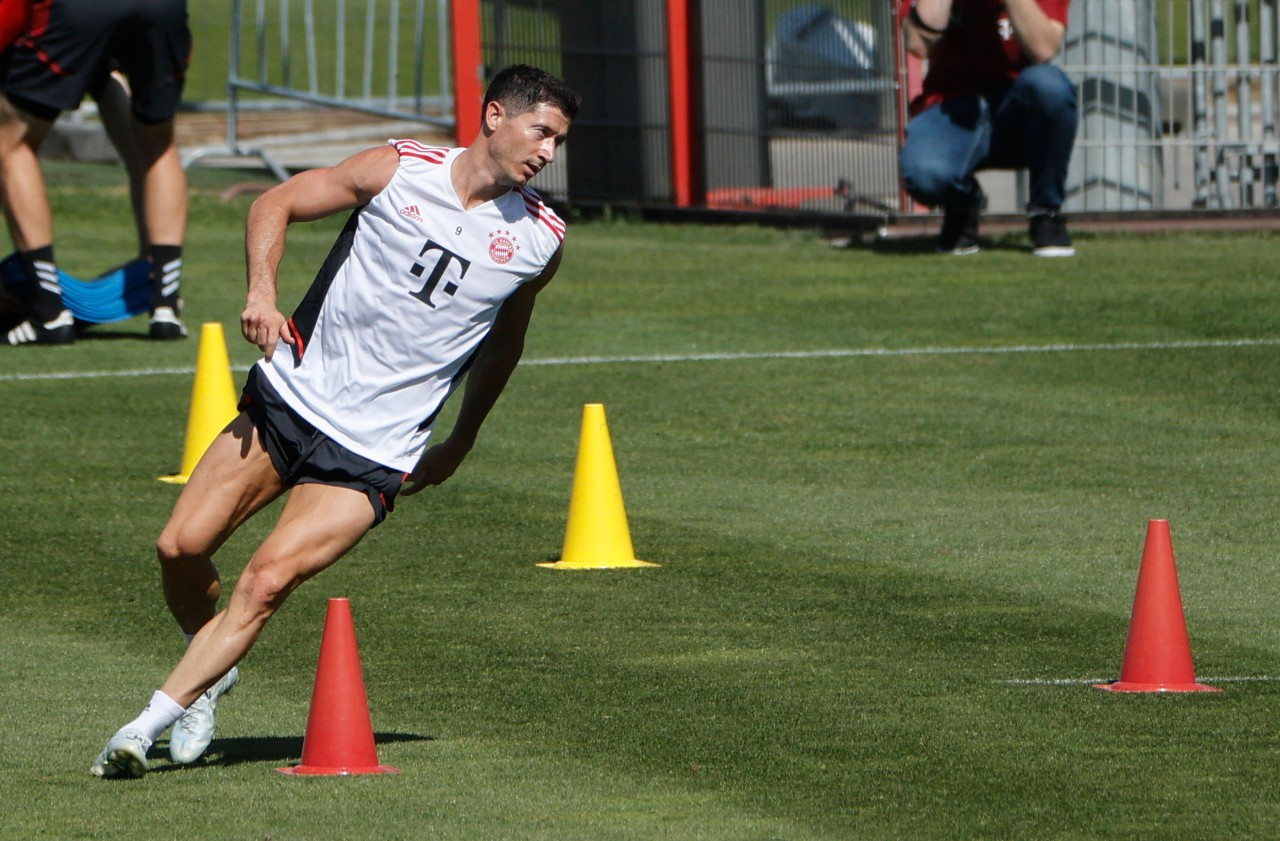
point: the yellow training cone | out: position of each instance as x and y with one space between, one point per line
213 400
597 536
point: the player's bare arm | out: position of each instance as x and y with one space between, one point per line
307 196
1040 36
485 381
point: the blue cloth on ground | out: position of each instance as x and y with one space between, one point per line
115 295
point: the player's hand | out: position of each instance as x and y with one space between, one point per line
437 464
264 325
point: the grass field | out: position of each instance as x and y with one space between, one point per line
899 503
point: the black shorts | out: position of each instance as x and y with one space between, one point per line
301 453
74 44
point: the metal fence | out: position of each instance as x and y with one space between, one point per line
824 127
798 102
1177 107
1111 54
383 58
794 100
1232 119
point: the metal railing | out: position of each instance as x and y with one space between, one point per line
373 57
1235 159
1178 97
1178 102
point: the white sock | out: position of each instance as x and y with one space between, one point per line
157 716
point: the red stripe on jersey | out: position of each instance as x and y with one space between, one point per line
533 203
414 149
432 159
553 222
414 144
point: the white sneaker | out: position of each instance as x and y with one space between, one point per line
194 731
124 756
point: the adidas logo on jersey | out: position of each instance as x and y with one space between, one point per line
411 212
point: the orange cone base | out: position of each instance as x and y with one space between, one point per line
596 565
1131 686
317 771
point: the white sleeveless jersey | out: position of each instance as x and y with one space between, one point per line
402 304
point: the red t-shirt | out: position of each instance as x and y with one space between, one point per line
980 53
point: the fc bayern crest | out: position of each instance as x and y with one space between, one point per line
502 246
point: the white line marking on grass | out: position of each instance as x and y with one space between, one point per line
920 351
1090 681
1046 681
837 353
94 375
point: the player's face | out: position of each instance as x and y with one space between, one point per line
525 143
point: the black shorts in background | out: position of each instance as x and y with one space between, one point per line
74 44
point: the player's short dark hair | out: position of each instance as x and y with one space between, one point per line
523 87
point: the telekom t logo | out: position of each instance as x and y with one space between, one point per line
443 262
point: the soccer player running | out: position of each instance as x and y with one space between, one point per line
434 277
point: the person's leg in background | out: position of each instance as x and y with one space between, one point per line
154 56
1035 127
115 110
945 145
30 223
47 73
158 193
164 190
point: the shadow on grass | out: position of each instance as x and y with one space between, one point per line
284 750
926 246
99 333
85 332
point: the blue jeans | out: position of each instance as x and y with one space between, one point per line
1032 124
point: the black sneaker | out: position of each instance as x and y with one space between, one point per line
165 325
1049 237
60 331
960 225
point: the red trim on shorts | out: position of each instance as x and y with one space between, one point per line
39 18
39 25
52 65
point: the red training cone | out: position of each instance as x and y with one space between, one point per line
1157 655
339 738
